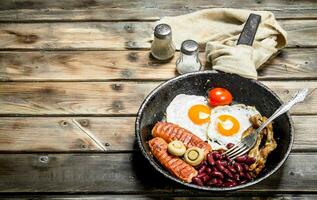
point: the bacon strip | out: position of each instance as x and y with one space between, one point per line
175 165
170 132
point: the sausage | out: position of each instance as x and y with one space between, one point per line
173 164
170 132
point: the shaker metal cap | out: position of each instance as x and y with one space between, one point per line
161 31
189 47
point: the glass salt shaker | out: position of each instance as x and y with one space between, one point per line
162 47
188 60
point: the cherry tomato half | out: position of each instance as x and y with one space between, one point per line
219 97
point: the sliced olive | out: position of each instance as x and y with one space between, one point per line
194 156
176 148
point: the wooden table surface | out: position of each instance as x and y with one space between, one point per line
89 60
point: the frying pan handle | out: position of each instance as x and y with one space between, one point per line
249 30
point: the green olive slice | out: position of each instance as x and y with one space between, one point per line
176 148
194 156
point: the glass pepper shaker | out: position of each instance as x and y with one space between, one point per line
188 60
162 47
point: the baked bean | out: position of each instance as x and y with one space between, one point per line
205 178
243 182
230 145
250 160
248 176
208 170
233 184
216 155
219 182
221 151
232 181
219 165
229 180
237 177
202 169
232 169
241 159
217 175
228 173
210 159
225 157
220 171
224 163
230 184
215 169
199 166
245 167
242 174
212 181
198 181
201 175
238 167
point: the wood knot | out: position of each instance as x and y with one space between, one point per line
107 144
117 105
126 73
64 123
129 28
85 3
133 57
23 38
43 159
130 44
29 39
117 87
47 90
84 122
84 146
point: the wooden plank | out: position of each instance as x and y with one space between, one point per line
303 32
34 10
252 196
94 35
46 134
113 65
35 134
113 35
129 173
107 98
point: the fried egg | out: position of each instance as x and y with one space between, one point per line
227 123
190 112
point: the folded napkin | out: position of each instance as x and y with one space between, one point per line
218 30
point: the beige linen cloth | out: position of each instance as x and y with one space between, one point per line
218 30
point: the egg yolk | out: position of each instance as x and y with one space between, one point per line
199 114
228 125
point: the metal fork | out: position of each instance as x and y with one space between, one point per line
248 142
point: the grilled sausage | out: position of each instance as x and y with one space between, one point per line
175 165
170 132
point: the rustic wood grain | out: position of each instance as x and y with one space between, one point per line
236 196
59 134
34 10
111 106
114 35
112 65
108 98
129 173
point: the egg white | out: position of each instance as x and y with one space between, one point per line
239 111
177 113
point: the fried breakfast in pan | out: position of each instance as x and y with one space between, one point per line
196 130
